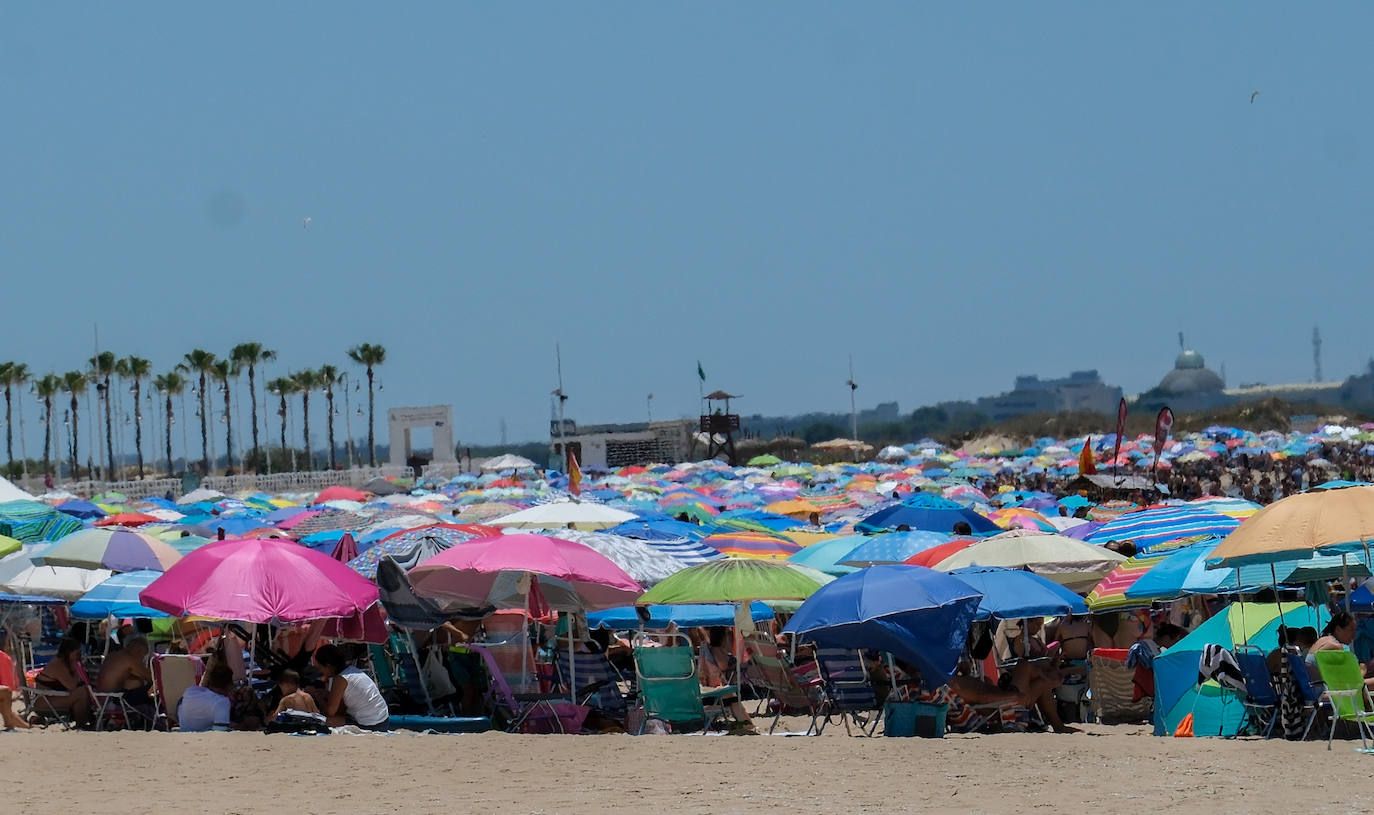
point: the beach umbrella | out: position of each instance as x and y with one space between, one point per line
339 492
690 615
935 554
345 549
1156 527
663 529
1186 571
496 571
411 547
128 519
1012 594
640 560
31 522
117 596
1339 520
85 510
509 461
758 545
559 514
1070 563
20 575
261 581
9 545
916 614
929 512
1110 593
765 460
736 580
826 555
893 547
115 548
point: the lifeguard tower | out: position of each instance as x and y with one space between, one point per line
719 426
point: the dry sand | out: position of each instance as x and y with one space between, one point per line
1107 769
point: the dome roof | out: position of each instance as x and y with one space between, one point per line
1190 375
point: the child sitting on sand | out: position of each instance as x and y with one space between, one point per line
292 697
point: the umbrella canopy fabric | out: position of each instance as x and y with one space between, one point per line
640 560
9 545
916 614
1187 571
404 608
492 570
691 615
1012 594
1299 525
411 547
826 555
1110 594
261 581
1155 527
558 514
1073 564
751 544
117 595
735 580
31 522
509 461
20 575
114 548
894 547
929 512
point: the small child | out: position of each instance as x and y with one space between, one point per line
292 697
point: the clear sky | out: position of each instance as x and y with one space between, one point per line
953 193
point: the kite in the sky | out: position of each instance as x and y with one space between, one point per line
1252 101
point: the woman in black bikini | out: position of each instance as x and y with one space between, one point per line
65 675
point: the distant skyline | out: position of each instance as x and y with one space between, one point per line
954 195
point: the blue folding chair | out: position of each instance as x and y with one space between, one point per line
1261 700
849 690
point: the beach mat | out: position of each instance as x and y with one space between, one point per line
441 724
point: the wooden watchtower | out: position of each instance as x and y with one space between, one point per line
720 426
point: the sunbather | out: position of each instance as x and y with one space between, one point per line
1338 635
292 697
127 671
352 696
65 675
714 665
208 707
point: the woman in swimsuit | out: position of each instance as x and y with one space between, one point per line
65 675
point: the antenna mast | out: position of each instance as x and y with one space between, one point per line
853 410
562 397
1316 354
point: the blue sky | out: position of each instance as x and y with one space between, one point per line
952 194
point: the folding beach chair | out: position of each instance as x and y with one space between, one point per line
528 712
849 690
671 691
598 682
1111 686
1311 695
1346 689
1261 700
173 675
778 682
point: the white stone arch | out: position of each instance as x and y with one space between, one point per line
401 420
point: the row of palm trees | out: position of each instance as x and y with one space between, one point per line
199 369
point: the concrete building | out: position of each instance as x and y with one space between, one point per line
1080 391
608 446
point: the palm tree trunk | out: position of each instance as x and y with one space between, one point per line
283 424
47 435
170 468
109 430
371 414
138 424
228 429
305 424
329 416
204 430
76 433
9 430
253 401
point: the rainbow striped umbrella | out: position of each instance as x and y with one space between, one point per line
1155 527
1110 594
755 545
1021 518
1234 507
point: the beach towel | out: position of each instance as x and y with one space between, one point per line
1219 665
1292 708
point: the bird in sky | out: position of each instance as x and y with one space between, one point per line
1252 101
306 223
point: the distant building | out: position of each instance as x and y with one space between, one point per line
1192 387
1080 391
608 446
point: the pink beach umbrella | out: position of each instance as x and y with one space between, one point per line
497 570
261 581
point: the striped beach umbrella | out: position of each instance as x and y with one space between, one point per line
1110 594
1156 527
755 545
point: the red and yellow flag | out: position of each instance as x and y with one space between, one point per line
574 475
1087 464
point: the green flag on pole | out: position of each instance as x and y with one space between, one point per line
701 373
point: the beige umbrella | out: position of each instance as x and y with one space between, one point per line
1297 526
1071 563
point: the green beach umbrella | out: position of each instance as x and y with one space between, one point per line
736 580
8 545
766 460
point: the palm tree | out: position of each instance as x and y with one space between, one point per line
169 384
74 383
103 366
329 377
249 355
136 369
369 356
224 371
200 362
47 388
282 386
12 374
306 381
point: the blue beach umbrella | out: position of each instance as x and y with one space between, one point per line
1011 594
118 596
894 547
928 512
826 555
916 614
626 618
1157 527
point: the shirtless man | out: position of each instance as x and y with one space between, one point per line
292 697
127 671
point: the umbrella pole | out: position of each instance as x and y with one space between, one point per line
1245 636
1274 576
572 659
1345 580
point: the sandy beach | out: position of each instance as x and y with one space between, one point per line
1111 769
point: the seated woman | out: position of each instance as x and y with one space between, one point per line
1337 636
351 697
65 675
715 664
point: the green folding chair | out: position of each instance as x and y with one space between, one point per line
670 690
1349 697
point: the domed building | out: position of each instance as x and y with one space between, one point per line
1190 386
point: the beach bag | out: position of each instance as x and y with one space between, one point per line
1185 728
437 676
298 723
